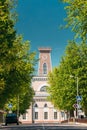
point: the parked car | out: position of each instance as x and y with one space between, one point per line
11 118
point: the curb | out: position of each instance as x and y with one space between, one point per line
78 123
82 124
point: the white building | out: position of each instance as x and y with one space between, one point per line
41 110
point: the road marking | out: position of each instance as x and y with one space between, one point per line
43 126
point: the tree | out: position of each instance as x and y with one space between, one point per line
7 36
16 60
63 89
76 11
75 60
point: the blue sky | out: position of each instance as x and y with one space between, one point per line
39 21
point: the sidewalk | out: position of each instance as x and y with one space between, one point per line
1 124
78 123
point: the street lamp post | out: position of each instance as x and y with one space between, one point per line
77 93
18 107
77 97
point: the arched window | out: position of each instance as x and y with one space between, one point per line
44 68
45 105
35 105
43 89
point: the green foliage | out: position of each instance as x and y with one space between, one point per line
63 89
7 36
74 62
77 17
21 102
16 61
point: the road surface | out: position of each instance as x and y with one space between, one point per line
44 127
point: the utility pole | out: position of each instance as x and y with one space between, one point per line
71 76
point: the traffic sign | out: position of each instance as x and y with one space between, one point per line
79 106
10 105
75 105
79 98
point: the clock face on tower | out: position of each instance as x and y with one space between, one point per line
44 57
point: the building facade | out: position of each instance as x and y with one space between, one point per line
41 110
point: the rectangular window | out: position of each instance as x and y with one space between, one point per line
24 116
45 115
44 68
36 115
55 115
62 114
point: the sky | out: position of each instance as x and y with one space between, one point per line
39 22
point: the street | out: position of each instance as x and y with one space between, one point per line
45 127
